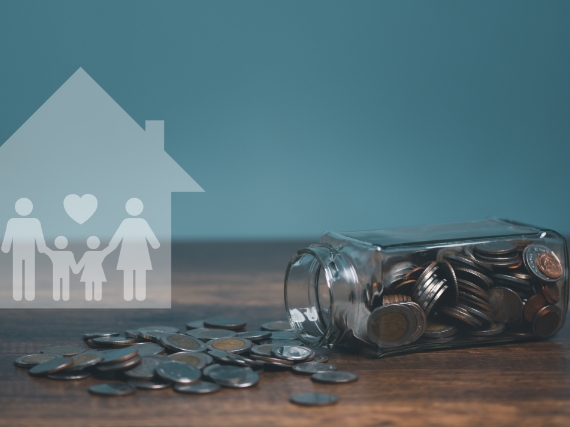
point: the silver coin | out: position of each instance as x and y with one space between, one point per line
273 362
66 375
230 345
201 387
281 342
178 372
320 358
31 360
293 352
264 349
120 366
254 336
334 377
251 379
530 255
496 248
283 335
165 329
198 360
63 350
85 360
113 389
310 368
437 330
494 329
208 369
153 336
206 334
92 335
51 366
277 325
195 324
225 323
145 369
118 355
227 374
114 341
181 342
314 399
156 384
149 348
131 333
507 305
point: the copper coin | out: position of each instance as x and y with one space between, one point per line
531 307
551 292
414 274
549 265
547 321
404 287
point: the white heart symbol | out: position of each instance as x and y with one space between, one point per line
80 209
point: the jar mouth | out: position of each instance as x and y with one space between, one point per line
308 295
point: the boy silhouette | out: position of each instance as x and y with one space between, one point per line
62 261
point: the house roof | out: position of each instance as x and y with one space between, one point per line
81 131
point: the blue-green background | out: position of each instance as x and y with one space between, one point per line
300 117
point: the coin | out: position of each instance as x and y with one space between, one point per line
91 335
314 399
471 288
479 315
114 341
153 336
277 325
438 330
155 384
549 265
293 352
195 324
67 375
254 336
473 276
310 368
391 325
507 305
149 348
227 374
145 369
281 342
164 329
551 292
206 334
120 366
334 377
85 360
251 379
63 350
460 260
178 372
201 387
494 329
530 258
448 273
51 366
199 360
321 358
509 280
119 355
131 333
264 349
112 389
180 342
496 248
233 345
531 307
547 321
283 335
225 323
462 316
33 359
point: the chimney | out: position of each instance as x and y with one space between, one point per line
155 132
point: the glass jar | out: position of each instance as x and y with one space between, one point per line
407 289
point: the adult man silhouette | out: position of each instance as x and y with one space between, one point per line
23 235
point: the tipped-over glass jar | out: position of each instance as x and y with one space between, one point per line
407 289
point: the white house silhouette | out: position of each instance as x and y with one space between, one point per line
80 141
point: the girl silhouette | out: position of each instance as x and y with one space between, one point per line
92 265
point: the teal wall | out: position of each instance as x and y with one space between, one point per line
300 117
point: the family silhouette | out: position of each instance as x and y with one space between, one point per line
23 235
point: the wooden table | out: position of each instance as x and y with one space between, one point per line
526 384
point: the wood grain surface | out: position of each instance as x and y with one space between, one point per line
523 384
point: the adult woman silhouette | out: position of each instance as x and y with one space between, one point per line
134 258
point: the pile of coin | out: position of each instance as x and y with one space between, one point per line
211 354
471 292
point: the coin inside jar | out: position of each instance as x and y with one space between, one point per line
391 326
531 307
507 305
549 265
547 321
